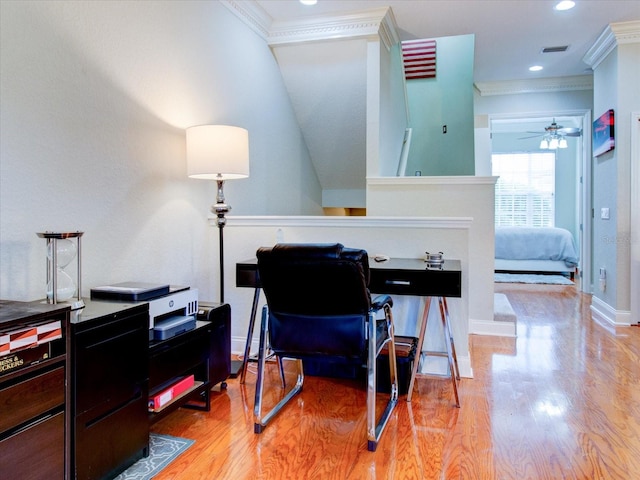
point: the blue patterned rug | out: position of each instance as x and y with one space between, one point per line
163 449
532 278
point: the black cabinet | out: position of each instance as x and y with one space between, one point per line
33 393
203 352
109 393
219 315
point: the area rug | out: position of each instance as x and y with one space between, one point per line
531 278
163 449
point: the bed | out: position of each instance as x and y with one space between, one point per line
539 250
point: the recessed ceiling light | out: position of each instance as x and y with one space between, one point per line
563 5
535 68
308 2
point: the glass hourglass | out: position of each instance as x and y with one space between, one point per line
62 248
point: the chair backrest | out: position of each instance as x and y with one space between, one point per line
317 297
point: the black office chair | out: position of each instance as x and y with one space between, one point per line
319 307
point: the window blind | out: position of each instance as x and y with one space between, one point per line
525 190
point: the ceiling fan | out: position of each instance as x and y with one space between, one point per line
554 136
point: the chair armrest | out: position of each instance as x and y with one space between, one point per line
380 301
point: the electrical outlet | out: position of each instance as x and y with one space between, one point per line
603 279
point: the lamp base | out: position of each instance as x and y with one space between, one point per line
236 367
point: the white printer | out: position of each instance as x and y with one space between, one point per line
172 314
172 309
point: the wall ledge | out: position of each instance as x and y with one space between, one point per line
461 223
440 180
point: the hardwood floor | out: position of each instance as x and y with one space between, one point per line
562 401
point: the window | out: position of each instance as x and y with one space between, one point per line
525 189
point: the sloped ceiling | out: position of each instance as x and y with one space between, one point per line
327 85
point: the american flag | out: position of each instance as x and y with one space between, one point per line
419 59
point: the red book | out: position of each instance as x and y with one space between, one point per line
160 399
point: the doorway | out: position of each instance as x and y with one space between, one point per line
518 133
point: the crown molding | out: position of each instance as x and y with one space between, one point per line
615 34
537 85
378 22
252 14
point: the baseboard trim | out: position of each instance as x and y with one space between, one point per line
492 328
605 313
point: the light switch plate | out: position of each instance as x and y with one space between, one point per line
604 213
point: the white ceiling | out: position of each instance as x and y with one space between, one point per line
509 34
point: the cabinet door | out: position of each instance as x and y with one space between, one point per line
20 459
110 361
108 445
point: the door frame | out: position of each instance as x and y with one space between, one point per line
585 204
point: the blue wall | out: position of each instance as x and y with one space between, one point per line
444 100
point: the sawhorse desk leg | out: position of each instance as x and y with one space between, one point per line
450 353
247 346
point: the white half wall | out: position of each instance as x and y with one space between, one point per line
402 237
455 196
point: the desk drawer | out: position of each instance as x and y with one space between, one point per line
415 282
31 397
36 452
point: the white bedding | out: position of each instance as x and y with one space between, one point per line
529 243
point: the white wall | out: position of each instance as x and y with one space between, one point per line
454 197
393 111
615 86
526 105
405 237
94 102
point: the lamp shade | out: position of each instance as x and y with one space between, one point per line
217 152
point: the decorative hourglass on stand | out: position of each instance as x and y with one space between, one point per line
61 250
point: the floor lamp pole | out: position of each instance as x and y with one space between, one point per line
221 209
221 236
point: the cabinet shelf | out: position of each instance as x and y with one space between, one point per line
180 400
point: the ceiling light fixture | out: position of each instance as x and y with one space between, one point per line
535 68
308 2
565 5
553 142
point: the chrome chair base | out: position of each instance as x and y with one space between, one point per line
374 428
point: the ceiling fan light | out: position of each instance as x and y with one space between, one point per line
562 143
544 145
553 144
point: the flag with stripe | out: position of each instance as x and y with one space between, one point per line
419 57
